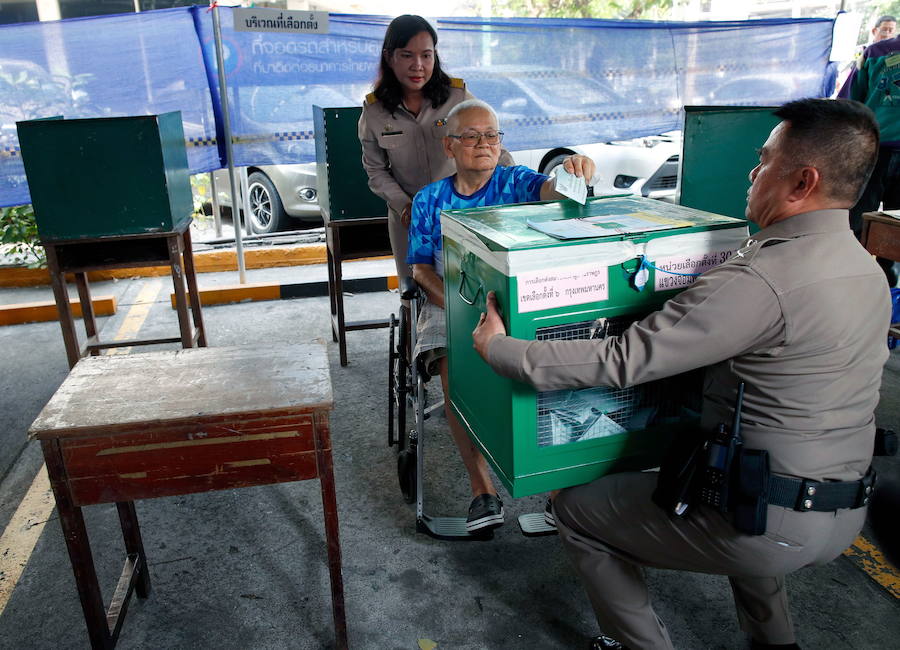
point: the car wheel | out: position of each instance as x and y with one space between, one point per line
266 210
553 163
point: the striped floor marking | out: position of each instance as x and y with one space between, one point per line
867 557
24 529
137 314
22 533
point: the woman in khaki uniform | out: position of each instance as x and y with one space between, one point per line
403 123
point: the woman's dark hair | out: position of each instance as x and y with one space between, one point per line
388 89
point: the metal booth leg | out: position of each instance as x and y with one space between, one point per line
190 275
64 309
184 323
87 310
337 290
331 297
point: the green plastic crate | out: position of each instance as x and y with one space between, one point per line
92 178
552 289
343 184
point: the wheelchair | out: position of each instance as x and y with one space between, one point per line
407 412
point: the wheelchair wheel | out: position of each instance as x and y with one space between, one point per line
400 372
392 379
406 473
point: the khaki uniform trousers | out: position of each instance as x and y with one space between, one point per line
610 528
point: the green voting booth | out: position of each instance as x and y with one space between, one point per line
585 287
100 177
355 219
719 150
112 193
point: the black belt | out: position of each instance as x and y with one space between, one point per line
805 494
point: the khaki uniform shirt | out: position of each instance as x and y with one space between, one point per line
402 152
800 314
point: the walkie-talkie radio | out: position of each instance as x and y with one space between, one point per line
721 450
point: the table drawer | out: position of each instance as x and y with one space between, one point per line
191 458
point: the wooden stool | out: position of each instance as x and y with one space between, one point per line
138 426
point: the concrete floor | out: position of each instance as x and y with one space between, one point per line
246 568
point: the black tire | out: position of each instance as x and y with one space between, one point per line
392 380
267 213
402 378
555 162
406 474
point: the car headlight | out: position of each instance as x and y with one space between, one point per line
307 194
623 182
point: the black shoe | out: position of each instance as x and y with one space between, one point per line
604 642
485 512
756 645
549 518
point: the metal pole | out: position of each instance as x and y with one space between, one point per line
223 98
214 201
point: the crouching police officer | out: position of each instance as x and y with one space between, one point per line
798 315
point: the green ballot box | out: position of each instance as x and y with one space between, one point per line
111 176
605 265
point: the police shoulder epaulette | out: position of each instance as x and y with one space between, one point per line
773 242
456 82
754 246
370 98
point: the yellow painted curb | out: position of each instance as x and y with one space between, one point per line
236 293
16 276
867 557
204 262
37 312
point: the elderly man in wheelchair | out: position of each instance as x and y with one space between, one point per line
474 143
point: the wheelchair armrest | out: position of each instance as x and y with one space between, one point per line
408 288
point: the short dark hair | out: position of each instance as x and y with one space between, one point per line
387 88
884 19
839 137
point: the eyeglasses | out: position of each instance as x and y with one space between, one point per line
472 138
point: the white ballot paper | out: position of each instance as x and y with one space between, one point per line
571 185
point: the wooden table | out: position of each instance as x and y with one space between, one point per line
350 239
79 256
881 237
128 427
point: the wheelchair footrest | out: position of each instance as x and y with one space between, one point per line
451 529
533 525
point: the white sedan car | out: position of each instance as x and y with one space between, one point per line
644 166
283 195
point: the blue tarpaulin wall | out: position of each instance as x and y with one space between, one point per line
553 82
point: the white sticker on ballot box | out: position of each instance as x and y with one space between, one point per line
682 271
570 285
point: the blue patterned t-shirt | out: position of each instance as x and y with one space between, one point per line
517 184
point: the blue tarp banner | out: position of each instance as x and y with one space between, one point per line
553 82
130 64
